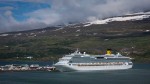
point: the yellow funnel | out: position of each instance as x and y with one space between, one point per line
108 52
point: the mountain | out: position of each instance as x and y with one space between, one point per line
129 34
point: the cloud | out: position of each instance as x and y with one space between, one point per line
6 8
66 11
34 1
7 21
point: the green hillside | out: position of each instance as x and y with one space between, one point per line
129 38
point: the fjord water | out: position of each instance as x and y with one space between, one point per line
139 74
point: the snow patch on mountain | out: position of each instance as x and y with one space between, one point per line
3 35
131 17
139 13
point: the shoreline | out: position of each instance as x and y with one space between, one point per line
8 60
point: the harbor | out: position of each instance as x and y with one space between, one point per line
26 67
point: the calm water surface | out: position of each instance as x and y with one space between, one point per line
139 74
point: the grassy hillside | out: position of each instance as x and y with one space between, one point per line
129 38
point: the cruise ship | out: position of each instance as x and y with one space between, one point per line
84 62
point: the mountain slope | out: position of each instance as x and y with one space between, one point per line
131 38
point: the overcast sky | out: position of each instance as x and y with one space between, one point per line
17 15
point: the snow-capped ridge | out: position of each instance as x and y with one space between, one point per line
135 17
139 13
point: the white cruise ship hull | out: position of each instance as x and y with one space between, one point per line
65 68
85 62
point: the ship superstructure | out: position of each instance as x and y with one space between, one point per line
84 62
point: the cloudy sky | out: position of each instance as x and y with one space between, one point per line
18 15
